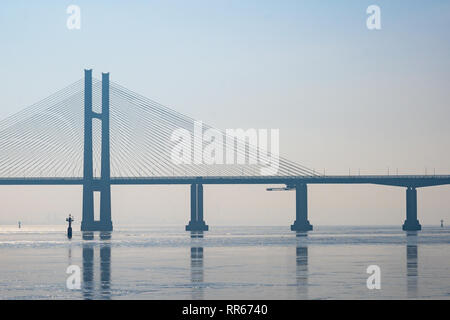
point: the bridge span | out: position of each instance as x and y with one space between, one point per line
28 147
297 183
411 181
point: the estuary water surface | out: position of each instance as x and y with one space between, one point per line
227 263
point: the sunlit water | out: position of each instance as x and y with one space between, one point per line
227 263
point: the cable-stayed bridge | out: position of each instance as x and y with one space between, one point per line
96 133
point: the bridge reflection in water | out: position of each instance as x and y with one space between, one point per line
96 286
89 288
197 272
301 257
412 273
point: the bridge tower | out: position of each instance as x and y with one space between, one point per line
91 184
301 222
411 222
197 223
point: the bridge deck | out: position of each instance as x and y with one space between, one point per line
395 180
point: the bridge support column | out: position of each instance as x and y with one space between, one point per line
196 223
91 184
411 222
301 222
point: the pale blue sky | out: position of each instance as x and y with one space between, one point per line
342 96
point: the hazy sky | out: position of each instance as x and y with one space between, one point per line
342 96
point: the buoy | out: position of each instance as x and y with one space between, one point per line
69 229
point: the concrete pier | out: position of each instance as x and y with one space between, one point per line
196 223
411 222
301 222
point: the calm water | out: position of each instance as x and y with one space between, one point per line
227 263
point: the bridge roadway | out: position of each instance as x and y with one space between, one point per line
413 181
197 223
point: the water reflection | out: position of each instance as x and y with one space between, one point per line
105 270
197 265
411 264
88 286
302 264
88 271
70 255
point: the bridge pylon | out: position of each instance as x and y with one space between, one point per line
411 222
197 223
301 222
91 184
